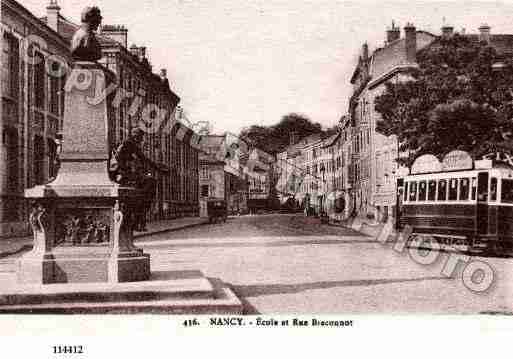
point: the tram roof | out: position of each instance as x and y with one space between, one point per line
500 170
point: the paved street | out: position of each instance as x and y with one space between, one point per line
292 264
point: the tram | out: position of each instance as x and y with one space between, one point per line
461 208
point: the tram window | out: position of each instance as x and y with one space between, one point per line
431 190
442 190
464 189
413 191
405 191
422 190
493 189
474 188
507 191
453 189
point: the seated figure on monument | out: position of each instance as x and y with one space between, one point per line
130 167
84 45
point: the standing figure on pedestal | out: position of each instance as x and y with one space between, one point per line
129 167
84 45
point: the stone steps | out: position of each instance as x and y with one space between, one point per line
165 293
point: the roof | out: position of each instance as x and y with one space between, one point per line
503 43
357 69
23 11
330 141
308 140
212 140
294 150
67 29
394 54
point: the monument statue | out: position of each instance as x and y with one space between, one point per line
84 45
130 167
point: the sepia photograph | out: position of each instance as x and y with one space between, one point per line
256 163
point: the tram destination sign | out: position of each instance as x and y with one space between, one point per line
457 160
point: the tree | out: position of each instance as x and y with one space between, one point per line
456 99
274 139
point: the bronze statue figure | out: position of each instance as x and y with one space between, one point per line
84 45
130 167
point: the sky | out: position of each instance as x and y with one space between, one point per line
238 63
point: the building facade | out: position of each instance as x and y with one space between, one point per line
261 176
291 174
315 160
140 96
374 190
32 109
374 164
222 174
315 173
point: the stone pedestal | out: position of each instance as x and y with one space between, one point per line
82 221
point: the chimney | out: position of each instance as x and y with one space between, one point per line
410 35
163 77
484 33
393 33
447 32
365 52
293 138
134 50
139 52
142 53
117 33
52 15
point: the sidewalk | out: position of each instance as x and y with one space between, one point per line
362 225
171 225
13 246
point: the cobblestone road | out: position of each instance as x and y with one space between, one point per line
292 264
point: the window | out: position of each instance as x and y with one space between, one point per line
204 172
405 191
507 191
442 190
422 190
39 160
10 63
453 189
474 188
413 191
12 154
464 189
55 89
39 81
11 201
52 158
493 189
431 190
